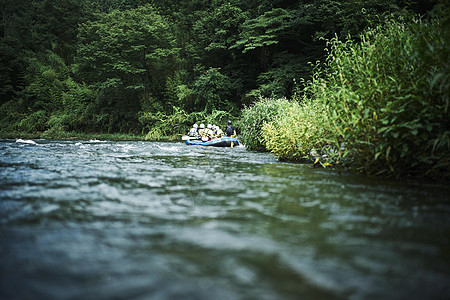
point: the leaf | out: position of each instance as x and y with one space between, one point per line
435 80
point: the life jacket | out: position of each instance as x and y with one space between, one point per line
219 133
203 133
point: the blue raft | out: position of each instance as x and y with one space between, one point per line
219 142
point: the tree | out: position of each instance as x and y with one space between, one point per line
126 56
212 91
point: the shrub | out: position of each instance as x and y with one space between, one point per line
301 128
385 98
10 116
253 118
35 122
161 126
391 95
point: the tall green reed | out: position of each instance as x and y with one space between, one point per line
379 106
383 102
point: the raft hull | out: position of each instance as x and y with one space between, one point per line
219 142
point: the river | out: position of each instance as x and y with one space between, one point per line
159 220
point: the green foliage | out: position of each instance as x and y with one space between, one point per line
163 126
132 66
342 17
298 129
160 126
254 117
52 97
217 30
73 117
386 101
280 79
37 121
12 65
216 117
45 77
10 114
212 91
264 30
390 108
124 55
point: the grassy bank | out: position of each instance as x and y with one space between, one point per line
378 106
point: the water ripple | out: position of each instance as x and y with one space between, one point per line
100 220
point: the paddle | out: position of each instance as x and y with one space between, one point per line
185 138
232 136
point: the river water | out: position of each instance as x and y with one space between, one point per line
153 220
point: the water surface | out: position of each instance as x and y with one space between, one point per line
151 220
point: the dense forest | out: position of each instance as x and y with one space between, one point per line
134 66
153 68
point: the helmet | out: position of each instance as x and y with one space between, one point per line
202 126
209 126
195 126
229 122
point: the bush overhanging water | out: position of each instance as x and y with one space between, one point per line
379 106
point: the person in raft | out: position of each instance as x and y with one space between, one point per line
204 133
210 131
193 132
218 132
202 130
230 131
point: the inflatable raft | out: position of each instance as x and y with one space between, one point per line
219 142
